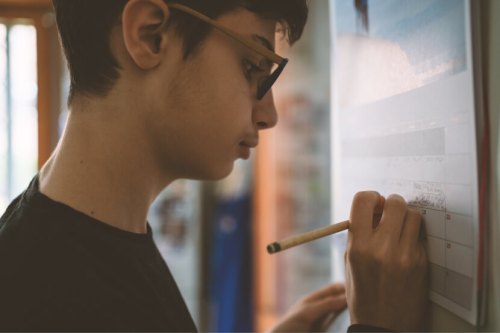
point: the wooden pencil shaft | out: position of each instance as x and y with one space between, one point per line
312 235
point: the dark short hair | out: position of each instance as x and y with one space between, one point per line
85 27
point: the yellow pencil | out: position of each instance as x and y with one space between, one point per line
307 237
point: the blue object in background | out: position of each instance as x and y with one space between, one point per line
231 287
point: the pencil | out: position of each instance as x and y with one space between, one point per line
307 237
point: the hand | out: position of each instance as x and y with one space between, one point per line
314 312
386 264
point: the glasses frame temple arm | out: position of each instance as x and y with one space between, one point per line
248 42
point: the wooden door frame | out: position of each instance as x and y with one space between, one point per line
40 13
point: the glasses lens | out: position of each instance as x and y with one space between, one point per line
269 81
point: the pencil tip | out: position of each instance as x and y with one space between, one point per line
273 248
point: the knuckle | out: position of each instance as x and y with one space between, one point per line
379 259
363 256
352 254
356 254
407 263
412 262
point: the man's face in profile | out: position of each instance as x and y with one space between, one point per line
209 115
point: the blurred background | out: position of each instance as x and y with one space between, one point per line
212 235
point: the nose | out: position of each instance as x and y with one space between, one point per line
264 112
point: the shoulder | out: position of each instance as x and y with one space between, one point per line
26 240
29 271
22 229
23 281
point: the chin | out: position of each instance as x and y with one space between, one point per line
214 174
221 173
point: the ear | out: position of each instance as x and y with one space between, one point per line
144 33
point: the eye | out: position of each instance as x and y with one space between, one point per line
251 69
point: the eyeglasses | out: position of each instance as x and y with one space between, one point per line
265 84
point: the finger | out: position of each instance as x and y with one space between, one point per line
322 323
362 211
318 309
393 217
379 208
410 235
330 290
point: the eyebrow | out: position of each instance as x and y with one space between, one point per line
264 41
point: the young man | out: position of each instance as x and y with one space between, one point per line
159 91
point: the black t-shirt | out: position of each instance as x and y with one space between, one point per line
61 270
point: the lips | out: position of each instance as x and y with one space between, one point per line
244 151
250 143
246 145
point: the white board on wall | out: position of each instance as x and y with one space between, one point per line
404 122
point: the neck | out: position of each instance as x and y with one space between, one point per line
103 167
